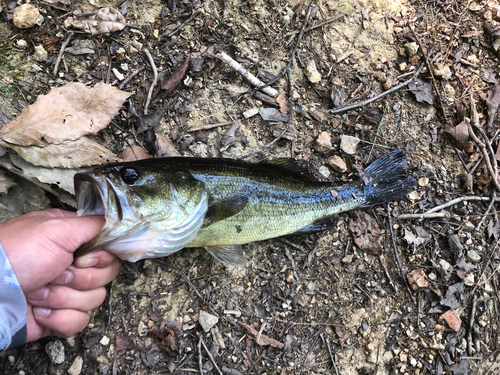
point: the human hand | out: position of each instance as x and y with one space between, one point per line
60 290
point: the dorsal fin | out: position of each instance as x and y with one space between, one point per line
225 208
300 166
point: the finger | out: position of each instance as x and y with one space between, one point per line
99 259
52 213
63 322
87 278
62 297
70 233
35 331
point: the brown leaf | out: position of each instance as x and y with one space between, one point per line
263 340
135 152
176 77
493 103
459 134
281 99
83 152
367 234
5 183
164 147
124 342
106 20
65 114
416 240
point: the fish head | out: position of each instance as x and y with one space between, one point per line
150 210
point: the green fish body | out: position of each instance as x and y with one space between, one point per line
158 206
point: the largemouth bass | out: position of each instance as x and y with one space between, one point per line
156 207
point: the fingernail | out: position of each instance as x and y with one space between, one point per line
39 294
87 262
41 312
63 278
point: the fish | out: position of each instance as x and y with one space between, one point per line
155 207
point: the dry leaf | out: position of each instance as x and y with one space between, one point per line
367 234
5 183
134 152
493 103
263 339
176 78
21 199
281 99
83 152
164 147
106 20
459 134
65 114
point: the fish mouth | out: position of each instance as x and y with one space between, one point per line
96 196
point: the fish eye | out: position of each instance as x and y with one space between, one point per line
129 175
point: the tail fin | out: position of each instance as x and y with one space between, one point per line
386 179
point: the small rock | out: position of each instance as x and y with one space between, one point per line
55 351
40 54
452 320
380 76
445 266
388 83
376 65
423 181
132 49
411 49
289 278
435 345
337 163
104 341
348 144
79 51
206 320
402 66
250 112
403 357
417 279
142 329
119 76
76 367
441 71
26 16
414 60
311 72
370 347
473 256
324 171
21 43
323 143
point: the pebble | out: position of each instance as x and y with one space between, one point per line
423 181
441 71
453 321
337 163
79 50
370 347
311 72
26 16
76 367
21 43
104 341
142 329
40 54
206 320
324 171
413 362
473 256
403 357
380 76
119 76
250 112
417 279
402 66
411 49
289 278
323 143
348 144
445 266
55 351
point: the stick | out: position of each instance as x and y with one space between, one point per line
397 254
425 215
131 75
210 356
470 343
200 358
492 202
458 200
155 79
245 73
319 24
61 52
209 126
327 344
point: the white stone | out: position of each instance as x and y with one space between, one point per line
348 144
250 112
206 320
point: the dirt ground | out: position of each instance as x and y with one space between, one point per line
339 301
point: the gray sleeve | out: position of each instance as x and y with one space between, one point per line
13 307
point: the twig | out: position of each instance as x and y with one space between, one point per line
209 126
381 259
458 200
245 73
130 76
425 215
290 60
319 24
470 343
327 344
155 79
260 332
289 255
108 74
61 52
397 254
210 356
391 90
200 358
492 202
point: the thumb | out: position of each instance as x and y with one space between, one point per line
73 232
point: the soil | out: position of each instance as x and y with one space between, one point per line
331 303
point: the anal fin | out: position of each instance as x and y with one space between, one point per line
231 254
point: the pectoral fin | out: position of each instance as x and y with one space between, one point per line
225 208
231 255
